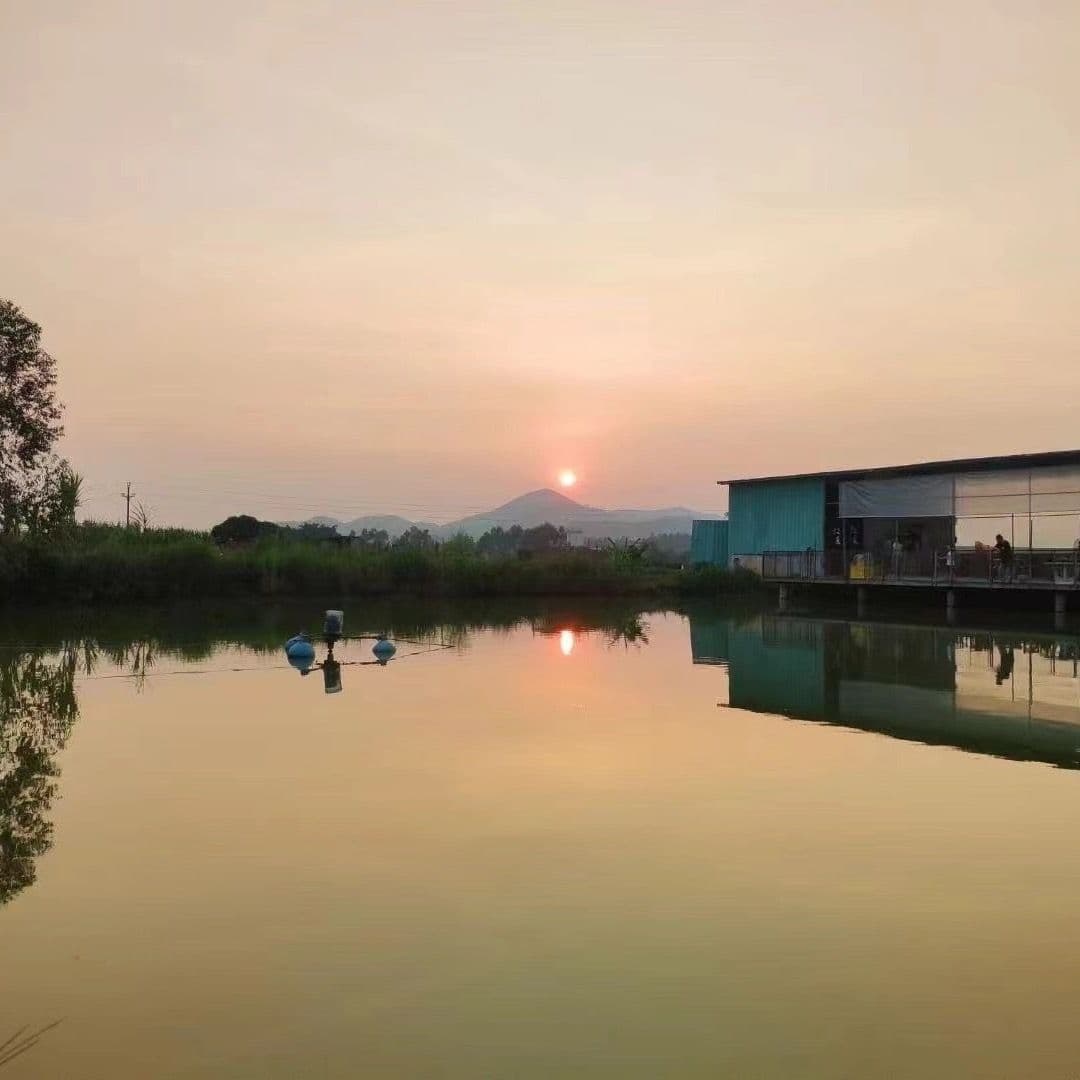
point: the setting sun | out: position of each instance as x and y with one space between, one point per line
567 478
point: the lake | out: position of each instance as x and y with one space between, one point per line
555 842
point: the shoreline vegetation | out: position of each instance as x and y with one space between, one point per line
94 563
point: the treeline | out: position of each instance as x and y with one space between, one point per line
668 548
95 562
244 529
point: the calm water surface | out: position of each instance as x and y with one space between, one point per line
578 844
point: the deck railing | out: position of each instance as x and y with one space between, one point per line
1059 567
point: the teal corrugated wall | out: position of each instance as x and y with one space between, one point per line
709 543
776 515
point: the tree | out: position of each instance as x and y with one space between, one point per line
414 539
459 544
29 413
242 528
312 530
500 541
50 495
142 517
669 549
371 539
627 552
543 538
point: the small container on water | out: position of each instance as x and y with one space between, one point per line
333 624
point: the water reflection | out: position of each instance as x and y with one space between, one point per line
991 692
1006 694
44 654
37 711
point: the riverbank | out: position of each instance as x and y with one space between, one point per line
115 565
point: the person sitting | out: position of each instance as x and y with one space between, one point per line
1004 552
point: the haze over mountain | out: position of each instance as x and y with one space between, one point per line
537 508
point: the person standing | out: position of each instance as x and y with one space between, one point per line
1004 552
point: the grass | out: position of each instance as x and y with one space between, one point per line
100 563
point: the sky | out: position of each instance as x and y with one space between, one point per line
341 258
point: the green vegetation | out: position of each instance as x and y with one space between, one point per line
39 492
45 555
94 563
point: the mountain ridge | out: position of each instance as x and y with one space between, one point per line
542 506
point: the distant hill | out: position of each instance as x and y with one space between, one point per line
392 523
535 508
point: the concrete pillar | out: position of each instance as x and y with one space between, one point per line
783 598
860 600
1060 600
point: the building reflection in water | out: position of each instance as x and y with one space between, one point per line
984 691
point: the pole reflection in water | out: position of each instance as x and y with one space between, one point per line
1000 693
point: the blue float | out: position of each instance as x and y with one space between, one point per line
300 650
383 650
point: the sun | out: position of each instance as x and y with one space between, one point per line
567 478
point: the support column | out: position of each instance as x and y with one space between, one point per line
950 606
783 598
1060 599
860 600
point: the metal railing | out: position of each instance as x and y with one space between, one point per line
1058 567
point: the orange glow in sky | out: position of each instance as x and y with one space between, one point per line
723 230
567 478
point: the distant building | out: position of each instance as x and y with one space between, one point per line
709 543
928 521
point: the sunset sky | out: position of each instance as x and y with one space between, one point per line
422 257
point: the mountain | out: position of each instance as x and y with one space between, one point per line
537 507
392 523
528 511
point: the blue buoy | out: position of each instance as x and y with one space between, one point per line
299 648
383 650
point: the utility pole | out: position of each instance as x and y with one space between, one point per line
127 497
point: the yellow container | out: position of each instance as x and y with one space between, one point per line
861 568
